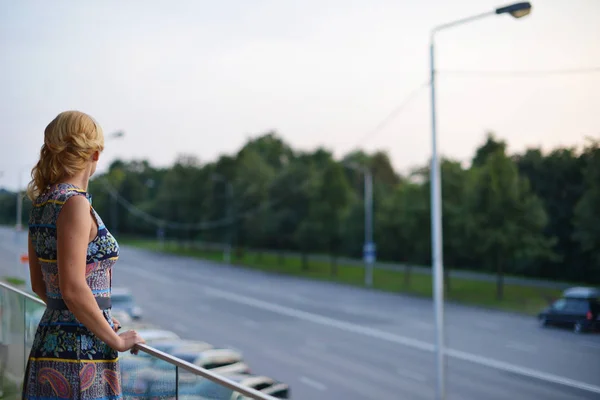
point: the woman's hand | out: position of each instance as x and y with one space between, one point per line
116 324
128 340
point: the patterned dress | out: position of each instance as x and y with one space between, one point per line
67 361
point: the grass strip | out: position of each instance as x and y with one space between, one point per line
517 298
13 281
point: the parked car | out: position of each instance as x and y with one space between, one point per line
219 361
122 299
171 346
578 308
206 389
159 379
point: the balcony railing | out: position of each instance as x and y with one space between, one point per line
156 376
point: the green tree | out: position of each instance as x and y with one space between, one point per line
508 218
332 208
271 148
404 223
587 215
253 178
491 146
456 216
557 179
290 194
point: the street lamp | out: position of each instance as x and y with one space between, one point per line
516 10
116 135
369 246
220 178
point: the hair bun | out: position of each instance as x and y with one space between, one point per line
70 139
55 148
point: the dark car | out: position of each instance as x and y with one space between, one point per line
578 308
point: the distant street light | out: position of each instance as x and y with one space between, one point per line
517 10
369 246
220 178
116 135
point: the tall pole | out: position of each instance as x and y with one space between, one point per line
368 246
369 227
516 10
436 242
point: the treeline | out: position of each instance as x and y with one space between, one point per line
532 214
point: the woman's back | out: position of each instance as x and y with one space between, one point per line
102 251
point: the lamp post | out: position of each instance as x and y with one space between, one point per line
516 10
369 246
221 178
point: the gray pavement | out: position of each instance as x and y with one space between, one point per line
330 341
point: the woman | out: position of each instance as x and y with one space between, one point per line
71 255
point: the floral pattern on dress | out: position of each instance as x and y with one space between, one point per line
63 349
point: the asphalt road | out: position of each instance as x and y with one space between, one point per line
330 341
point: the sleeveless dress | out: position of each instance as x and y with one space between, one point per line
67 361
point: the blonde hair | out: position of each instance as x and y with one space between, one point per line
70 140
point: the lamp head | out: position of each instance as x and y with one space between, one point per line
517 10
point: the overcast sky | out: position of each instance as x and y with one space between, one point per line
201 76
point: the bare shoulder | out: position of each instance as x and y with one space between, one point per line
75 211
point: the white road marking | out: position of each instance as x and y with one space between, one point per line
528 348
411 375
312 383
403 340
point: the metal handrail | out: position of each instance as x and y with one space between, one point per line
194 369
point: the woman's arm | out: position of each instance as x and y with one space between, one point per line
73 230
35 272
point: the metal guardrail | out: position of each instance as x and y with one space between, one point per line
194 369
